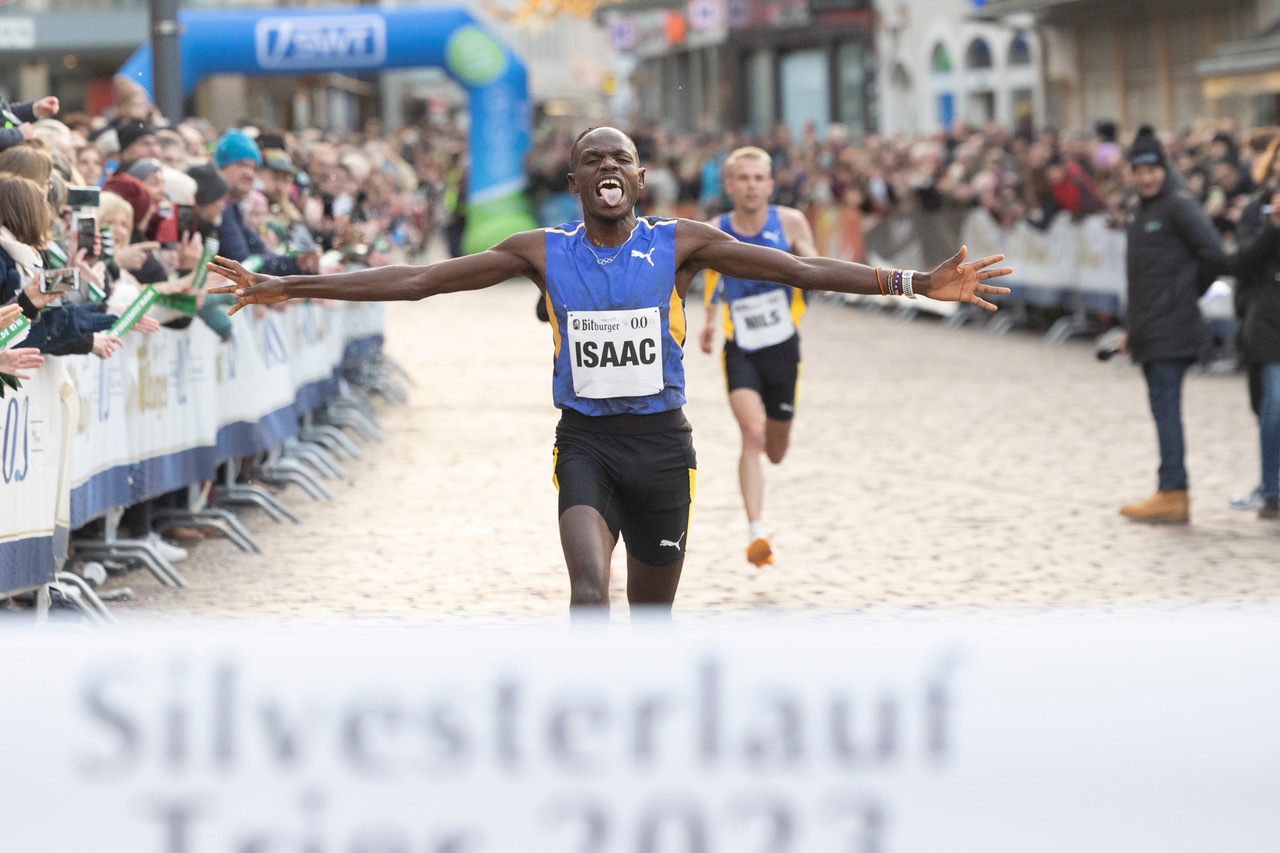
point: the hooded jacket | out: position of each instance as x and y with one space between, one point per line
1171 256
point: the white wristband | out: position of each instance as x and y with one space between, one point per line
906 284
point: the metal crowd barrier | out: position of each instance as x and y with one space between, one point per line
85 438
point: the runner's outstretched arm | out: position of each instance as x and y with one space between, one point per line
951 281
512 258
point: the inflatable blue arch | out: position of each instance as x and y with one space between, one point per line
366 38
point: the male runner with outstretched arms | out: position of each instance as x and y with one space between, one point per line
761 337
615 288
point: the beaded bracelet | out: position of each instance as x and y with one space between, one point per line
897 282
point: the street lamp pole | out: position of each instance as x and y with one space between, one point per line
166 64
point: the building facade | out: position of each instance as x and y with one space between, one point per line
705 65
1166 63
894 66
72 48
939 64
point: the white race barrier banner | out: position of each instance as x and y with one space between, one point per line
255 387
33 474
172 414
101 475
162 413
1070 262
1048 734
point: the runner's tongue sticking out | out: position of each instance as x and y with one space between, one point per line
611 195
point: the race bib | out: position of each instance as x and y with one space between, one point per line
615 353
762 320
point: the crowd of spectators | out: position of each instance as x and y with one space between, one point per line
167 198
282 202
1014 176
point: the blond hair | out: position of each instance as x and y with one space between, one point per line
747 152
109 203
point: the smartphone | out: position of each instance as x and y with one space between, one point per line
59 281
86 228
186 220
79 197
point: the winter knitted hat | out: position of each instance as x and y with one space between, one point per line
1146 149
209 184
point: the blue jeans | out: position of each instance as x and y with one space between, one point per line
1164 391
1269 429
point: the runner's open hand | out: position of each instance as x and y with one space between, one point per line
250 288
955 281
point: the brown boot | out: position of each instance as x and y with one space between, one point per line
1173 507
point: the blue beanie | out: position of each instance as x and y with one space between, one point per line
234 146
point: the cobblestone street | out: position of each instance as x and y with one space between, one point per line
929 467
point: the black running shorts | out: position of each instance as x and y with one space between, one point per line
637 471
772 372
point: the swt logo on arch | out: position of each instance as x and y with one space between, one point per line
317 42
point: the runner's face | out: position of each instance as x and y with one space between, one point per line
607 177
749 184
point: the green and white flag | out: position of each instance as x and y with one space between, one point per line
184 303
11 334
202 268
134 312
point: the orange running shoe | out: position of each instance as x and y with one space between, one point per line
759 552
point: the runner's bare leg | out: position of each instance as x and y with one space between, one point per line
652 587
587 544
748 409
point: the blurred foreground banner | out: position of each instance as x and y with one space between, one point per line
1005 733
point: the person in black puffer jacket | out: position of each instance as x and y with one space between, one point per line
1172 256
1258 306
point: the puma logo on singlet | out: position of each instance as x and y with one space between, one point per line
667 543
771 236
636 253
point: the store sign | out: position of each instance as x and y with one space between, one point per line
1042 733
347 41
17 33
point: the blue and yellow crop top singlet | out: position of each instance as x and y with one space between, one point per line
757 314
617 322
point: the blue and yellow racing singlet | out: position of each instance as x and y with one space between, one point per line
617 322
757 314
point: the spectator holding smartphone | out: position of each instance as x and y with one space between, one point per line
25 225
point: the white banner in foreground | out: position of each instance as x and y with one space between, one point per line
962 736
